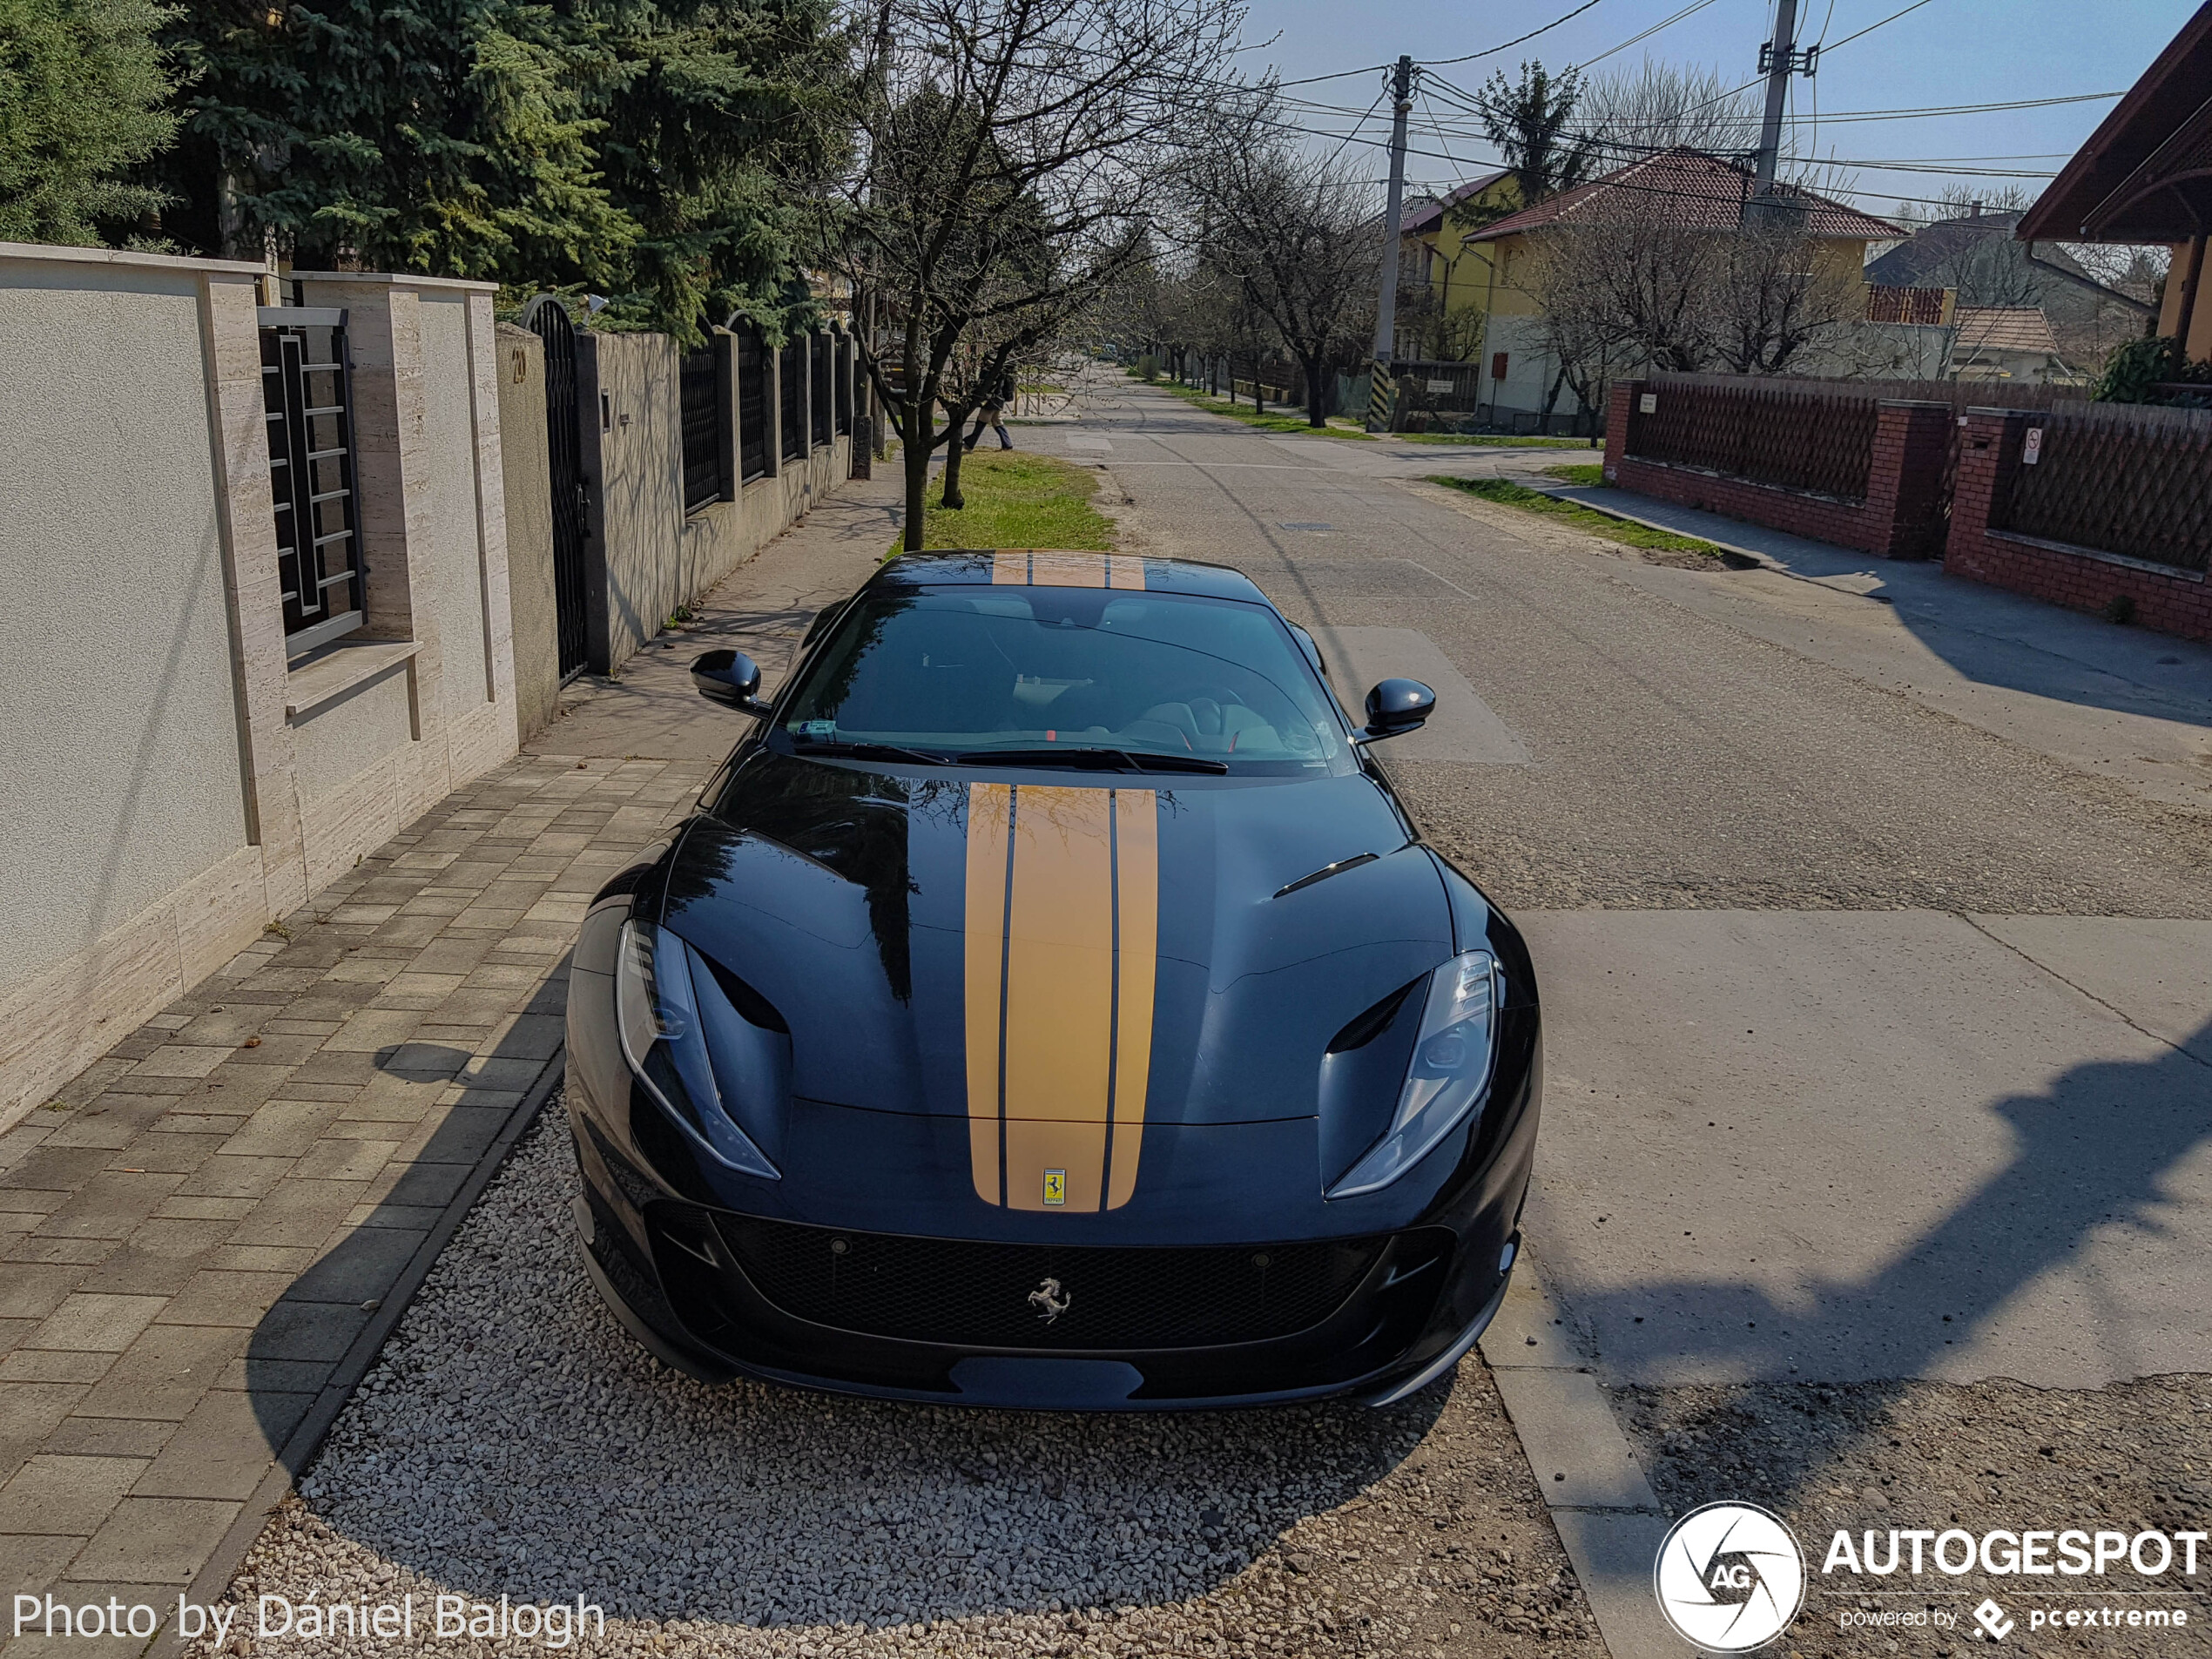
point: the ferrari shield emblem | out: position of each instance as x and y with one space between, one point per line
1055 1186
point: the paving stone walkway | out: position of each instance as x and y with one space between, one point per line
199 1239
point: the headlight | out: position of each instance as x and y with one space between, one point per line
1448 1077
657 1014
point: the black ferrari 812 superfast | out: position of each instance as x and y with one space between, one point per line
1050 1004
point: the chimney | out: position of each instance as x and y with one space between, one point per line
1976 210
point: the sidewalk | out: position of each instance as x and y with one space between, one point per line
204 1242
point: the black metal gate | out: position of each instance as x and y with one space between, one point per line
548 319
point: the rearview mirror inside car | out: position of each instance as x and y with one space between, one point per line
1397 706
731 679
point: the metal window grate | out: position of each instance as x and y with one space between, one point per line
818 400
753 401
699 393
844 386
791 380
307 396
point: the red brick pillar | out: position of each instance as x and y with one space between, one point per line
1989 449
1618 414
1905 483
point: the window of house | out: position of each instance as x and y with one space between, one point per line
793 388
699 385
307 394
752 403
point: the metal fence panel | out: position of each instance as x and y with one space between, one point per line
817 399
1766 431
753 401
699 399
791 386
2121 479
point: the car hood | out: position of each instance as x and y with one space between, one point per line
1054 948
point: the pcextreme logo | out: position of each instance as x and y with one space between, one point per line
1730 1577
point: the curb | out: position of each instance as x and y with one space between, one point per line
299 1451
1606 1515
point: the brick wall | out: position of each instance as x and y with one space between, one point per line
1900 517
2178 603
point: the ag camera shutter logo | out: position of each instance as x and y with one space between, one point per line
1730 1577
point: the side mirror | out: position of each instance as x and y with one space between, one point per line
1395 707
731 679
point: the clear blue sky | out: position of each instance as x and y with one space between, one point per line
1945 52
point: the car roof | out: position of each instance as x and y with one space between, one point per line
1041 567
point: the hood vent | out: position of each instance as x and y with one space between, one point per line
1326 872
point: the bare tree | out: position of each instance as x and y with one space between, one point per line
1659 105
1298 235
1009 154
1631 285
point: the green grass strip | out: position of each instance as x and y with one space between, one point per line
1589 477
1338 427
1625 531
1016 498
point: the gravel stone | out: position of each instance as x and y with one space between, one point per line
512 1440
2133 1456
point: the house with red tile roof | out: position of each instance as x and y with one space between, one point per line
1678 189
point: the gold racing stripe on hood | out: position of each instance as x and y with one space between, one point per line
1023 567
1062 933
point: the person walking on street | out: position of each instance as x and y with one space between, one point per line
993 414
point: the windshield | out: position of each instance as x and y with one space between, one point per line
1200 684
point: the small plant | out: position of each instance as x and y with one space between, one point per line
680 617
278 928
2121 608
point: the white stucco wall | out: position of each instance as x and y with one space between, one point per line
454 602
119 742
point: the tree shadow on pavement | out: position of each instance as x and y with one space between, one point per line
2108 1146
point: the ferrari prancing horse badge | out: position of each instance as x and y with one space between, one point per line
1055 1186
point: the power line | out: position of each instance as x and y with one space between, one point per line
1871 27
1664 22
1491 51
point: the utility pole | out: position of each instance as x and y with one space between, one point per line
1381 394
1778 59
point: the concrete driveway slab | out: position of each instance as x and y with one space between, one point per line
1843 1146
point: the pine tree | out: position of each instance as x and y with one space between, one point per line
83 91
445 137
721 118
656 150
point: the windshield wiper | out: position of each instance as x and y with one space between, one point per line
836 750
1089 758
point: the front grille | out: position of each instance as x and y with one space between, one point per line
978 1295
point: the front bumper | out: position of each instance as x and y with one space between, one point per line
1407 1306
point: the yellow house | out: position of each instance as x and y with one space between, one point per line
1434 234
1487 263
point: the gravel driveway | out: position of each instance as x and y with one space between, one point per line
1978 1456
512 1440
